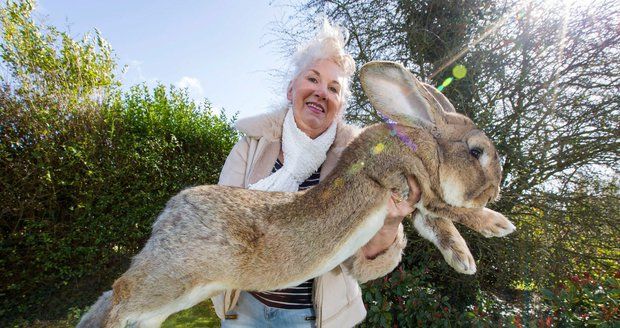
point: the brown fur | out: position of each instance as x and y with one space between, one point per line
210 238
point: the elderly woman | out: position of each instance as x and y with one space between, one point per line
293 149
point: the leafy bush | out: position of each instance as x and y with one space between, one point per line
424 291
81 187
411 297
412 302
585 300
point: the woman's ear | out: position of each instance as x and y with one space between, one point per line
289 91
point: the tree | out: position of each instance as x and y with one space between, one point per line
542 81
46 62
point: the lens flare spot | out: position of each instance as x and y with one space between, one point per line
378 148
326 194
356 167
459 71
447 82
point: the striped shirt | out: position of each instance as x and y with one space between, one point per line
298 297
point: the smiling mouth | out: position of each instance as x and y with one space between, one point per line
316 106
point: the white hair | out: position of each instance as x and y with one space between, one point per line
328 43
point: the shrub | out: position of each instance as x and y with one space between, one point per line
424 291
410 295
81 186
585 300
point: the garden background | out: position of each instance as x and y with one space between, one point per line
86 165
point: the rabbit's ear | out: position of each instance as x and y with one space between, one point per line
395 92
443 101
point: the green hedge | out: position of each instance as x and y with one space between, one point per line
80 186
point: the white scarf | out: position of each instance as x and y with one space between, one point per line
302 156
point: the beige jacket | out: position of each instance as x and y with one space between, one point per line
337 295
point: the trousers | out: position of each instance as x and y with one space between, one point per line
250 312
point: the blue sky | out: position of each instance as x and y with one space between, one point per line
220 50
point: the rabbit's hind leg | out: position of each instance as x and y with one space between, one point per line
146 311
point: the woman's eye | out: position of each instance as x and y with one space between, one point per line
476 152
333 89
313 79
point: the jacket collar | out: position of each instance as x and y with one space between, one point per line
269 125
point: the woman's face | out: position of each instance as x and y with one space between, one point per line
316 95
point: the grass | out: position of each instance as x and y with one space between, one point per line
201 315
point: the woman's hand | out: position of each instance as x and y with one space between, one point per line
398 209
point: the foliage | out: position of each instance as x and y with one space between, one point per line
45 62
409 298
412 301
585 300
84 172
82 186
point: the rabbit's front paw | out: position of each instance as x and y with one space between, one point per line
458 256
494 224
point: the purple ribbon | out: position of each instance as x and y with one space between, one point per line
394 132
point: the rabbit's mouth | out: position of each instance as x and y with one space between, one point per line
487 195
316 106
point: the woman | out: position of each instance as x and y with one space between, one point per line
292 149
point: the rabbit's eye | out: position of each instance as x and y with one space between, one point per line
476 152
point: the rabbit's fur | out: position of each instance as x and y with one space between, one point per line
212 238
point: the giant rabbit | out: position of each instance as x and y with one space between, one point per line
212 238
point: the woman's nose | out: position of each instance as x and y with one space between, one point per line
321 91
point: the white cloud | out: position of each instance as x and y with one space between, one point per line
193 85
